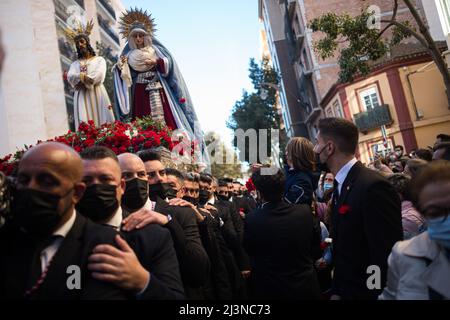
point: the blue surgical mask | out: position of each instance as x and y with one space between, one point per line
327 186
439 231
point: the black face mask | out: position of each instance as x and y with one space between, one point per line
192 200
203 197
99 202
36 211
158 190
136 194
322 166
222 197
171 193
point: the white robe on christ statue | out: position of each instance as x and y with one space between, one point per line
92 101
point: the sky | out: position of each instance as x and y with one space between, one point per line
212 42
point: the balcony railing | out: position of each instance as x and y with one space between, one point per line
108 8
373 118
105 26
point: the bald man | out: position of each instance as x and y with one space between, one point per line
146 263
45 247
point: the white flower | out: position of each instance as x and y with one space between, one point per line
128 133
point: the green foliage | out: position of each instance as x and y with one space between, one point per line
398 34
362 43
252 112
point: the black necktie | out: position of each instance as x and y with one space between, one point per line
335 191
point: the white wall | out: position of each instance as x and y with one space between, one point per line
433 19
33 94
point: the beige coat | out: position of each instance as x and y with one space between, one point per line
409 277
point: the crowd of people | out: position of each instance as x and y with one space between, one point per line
96 225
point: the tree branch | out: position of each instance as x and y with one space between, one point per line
416 35
394 12
390 24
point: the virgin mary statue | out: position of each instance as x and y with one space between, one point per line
147 80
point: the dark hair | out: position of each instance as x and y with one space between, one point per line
400 182
424 154
176 173
271 186
342 132
206 178
443 137
227 180
222 183
149 155
88 46
446 147
190 176
434 172
399 147
98 153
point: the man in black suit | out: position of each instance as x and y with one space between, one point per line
279 238
181 222
198 190
148 266
243 204
233 226
366 213
46 242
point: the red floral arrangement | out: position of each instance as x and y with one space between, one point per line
249 185
120 137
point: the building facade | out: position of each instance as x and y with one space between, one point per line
271 15
401 102
404 87
37 101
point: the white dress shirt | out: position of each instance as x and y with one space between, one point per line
343 172
149 204
49 252
116 219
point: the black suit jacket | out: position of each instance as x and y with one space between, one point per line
192 257
218 286
153 246
16 254
278 238
366 223
233 232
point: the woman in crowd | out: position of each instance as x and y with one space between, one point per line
412 221
419 268
301 181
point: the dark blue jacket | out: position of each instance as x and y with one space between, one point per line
299 186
